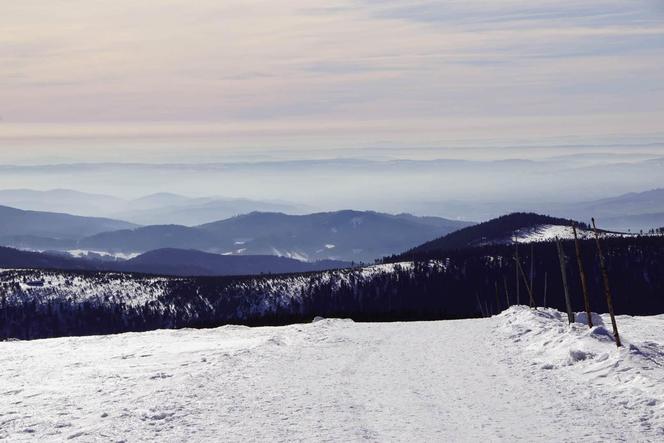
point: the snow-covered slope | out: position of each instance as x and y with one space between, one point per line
39 286
546 232
523 375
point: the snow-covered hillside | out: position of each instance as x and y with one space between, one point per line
551 232
42 304
42 286
523 374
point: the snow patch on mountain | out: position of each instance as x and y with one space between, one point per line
86 253
543 233
297 255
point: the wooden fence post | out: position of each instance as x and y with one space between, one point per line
525 282
532 265
495 284
516 254
582 276
607 289
563 272
545 286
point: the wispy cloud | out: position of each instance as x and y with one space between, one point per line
388 69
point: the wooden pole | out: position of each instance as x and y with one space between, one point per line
563 272
495 284
582 276
507 292
525 282
516 254
607 289
545 288
532 265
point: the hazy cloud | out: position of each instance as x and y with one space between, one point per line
258 72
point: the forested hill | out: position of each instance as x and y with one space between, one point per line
497 230
462 283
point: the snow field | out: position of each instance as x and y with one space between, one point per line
522 375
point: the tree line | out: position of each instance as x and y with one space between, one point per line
464 283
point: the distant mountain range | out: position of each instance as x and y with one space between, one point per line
195 263
17 226
176 209
160 208
351 236
175 262
360 236
342 235
61 201
11 258
634 211
474 189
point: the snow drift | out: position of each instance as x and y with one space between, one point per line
633 374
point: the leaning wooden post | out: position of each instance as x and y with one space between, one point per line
607 289
495 284
563 272
582 276
516 257
525 282
507 292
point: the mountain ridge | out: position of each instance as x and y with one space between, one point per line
57 225
346 235
166 262
497 230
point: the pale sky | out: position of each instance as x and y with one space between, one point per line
270 74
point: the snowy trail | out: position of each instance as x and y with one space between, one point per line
330 380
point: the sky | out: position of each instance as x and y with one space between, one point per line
176 80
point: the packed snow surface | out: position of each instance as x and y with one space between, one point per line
524 374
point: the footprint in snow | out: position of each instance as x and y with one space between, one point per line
160 375
161 415
276 341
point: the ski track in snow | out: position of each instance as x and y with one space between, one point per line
520 375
